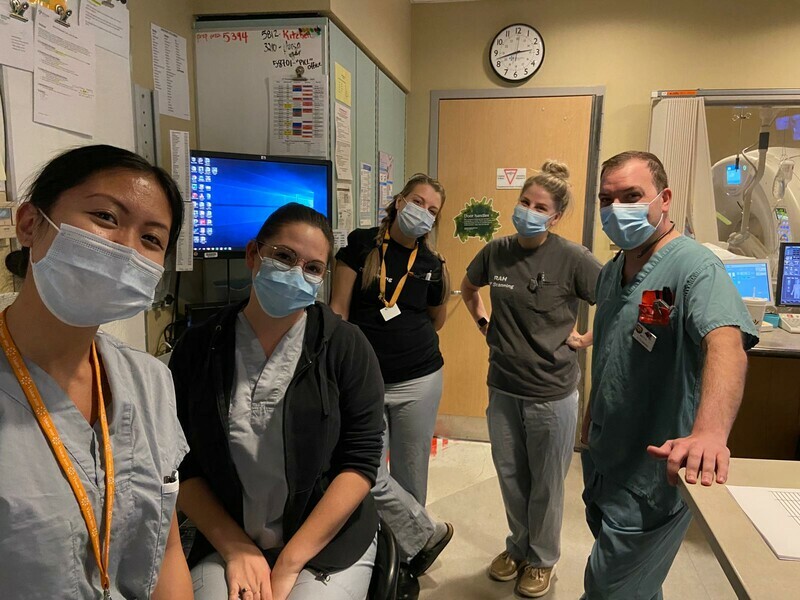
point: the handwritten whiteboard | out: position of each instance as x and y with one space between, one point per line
240 64
32 145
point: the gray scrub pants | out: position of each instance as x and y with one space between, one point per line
402 483
532 446
208 580
635 544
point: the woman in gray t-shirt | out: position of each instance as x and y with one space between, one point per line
536 280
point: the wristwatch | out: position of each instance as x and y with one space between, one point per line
483 321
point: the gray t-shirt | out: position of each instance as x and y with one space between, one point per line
535 296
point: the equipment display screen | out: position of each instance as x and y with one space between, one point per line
733 175
789 275
751 279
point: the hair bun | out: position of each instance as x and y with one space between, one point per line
17 262
556 168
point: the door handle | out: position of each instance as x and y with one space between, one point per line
455 292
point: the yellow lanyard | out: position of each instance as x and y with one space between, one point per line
402 282
50 432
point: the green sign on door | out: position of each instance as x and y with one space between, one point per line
478 219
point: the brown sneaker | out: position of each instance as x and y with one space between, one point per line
504 568
535 581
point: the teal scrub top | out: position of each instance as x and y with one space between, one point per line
642 397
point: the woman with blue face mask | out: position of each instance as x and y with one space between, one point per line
392 284
89 438
537 280
281 402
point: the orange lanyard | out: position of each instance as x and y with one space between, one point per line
402 282
50 432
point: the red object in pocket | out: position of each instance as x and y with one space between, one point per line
653 310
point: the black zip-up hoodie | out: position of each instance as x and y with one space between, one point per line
333 420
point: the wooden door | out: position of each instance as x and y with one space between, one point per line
475 138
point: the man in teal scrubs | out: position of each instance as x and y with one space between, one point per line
669 365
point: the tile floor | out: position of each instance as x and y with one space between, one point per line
463 489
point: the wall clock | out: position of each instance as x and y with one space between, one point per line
516 53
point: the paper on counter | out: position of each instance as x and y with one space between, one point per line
64 75
775 513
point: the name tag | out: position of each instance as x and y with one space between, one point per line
390 312
644 336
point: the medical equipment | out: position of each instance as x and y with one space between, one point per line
790 322
788 292
751 276
771 221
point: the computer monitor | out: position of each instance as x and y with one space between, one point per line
788 275
751 277
233 194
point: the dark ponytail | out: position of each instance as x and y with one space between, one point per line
74 167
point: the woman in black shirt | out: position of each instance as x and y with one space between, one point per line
392 284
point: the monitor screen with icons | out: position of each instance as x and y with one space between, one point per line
233 194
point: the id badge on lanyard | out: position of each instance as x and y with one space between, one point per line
390 309
60 452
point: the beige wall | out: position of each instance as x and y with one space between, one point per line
175 15
382 28
630 46
254 7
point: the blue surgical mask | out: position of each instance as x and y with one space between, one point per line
280 293
529 222
415 221
627 225
85 280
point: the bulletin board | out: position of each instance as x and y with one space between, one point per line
30 145
248 72
33 144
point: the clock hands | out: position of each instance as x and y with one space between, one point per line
513 53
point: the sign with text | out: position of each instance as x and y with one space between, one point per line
289 51
511 178
477 219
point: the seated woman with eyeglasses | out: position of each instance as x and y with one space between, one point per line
282 405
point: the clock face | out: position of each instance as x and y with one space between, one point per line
517 52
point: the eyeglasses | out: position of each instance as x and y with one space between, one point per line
284 258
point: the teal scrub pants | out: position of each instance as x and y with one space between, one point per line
635 543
